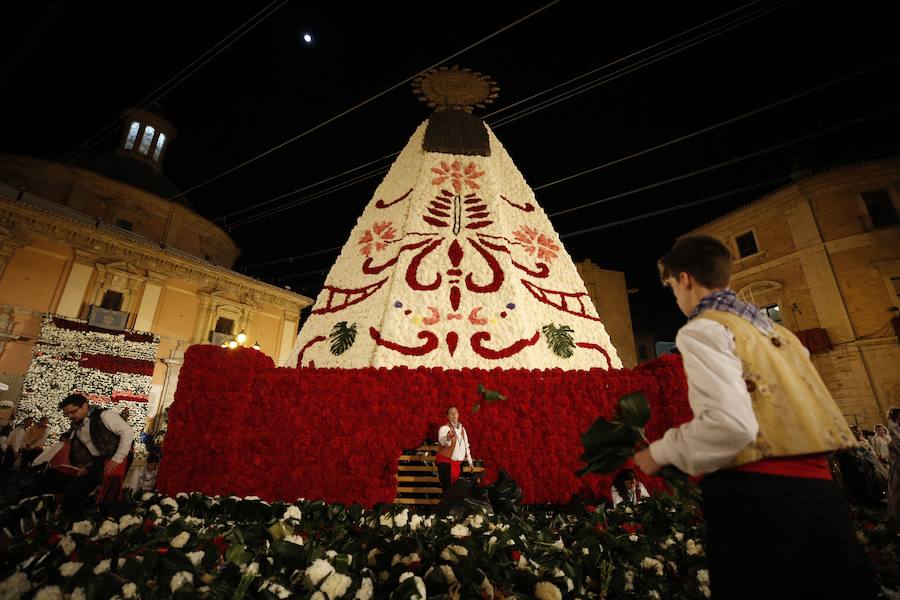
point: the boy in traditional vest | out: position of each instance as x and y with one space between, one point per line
778 527
100 444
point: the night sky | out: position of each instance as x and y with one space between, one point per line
91 60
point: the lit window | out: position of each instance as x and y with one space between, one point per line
880 208
773 311
132 135
159 145
746 243
145 141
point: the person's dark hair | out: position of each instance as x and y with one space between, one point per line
893 414
73 399
449 408
619 482
706 259
153 457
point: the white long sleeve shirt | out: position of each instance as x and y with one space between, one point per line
724 422
114 423
461 451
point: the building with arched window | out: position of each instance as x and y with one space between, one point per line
109 237
822 257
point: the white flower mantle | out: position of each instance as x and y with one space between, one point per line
454 264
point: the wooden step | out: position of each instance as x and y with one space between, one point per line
419 490
431 468
418 478
416 500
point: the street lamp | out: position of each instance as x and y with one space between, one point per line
241 337
256 346
233 344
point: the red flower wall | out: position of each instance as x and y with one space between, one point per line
240 426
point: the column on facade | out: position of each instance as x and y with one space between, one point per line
8 245
149 301
77 284
170 384
288 336
201 327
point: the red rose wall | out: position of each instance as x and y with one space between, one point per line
239 426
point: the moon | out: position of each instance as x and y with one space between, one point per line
307 38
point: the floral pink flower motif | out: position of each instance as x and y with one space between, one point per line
458 176
536 243
376 238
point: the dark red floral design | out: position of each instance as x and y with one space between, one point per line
116 364
289 433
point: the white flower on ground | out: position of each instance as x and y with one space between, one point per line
15 585
401 518
406 560
544 590
585 551
653 595
108 529
370 559
67 544
477 522
694 549
180 540
129 590
319 570
633 537
196 557
523 562
156 510
570 585
193 521
679 536
180 579
147 496
386 520
652 564
458 550
365 590
102 567
82 528
336 585
487 589
251 497
668 543
420 585
492 541
51 592
703 577
318 596
169 502
69 568
459 531
294 539
292 512
449 575
127 521
279 590
415 522
559 544
78 594
330 553
182 495
629 581
447 555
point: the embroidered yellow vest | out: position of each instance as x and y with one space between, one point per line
795 411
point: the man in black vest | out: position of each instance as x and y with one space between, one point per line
99 444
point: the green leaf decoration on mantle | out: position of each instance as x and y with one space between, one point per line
560 339
342 337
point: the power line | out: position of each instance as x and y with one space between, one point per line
618 60
180 77
644 62
791 142
546 103
732 161
363 103
306 187
29 42
755 111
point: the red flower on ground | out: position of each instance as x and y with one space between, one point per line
632 527
516 555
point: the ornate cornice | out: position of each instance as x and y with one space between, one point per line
26 224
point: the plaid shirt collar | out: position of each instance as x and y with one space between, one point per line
727 301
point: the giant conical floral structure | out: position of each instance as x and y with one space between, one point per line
454 264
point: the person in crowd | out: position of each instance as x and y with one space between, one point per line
99 445
626 489
143 479
14 443
881 443
894 479
4 437
762 426
33 442
453 442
